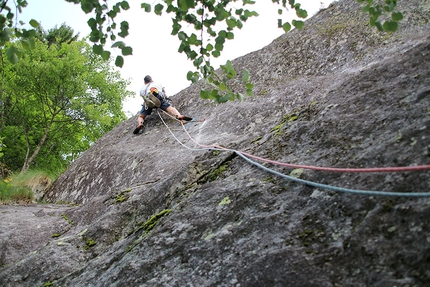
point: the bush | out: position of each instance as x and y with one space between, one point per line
14 194
26 187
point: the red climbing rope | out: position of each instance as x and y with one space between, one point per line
332 169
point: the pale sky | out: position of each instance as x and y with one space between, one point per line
155 49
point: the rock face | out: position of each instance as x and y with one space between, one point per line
150 211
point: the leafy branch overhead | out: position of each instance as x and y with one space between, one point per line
202 27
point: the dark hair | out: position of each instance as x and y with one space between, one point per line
147 79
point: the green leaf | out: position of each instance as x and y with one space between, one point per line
127 51
28 44
365 8
249 88
378 25
5 35
182 36
105 55
146 7
25 44
124 26
186 4
125 5
87 7
222 87
205 94
158 9
286 27
11 55
92 23
216 53
118 44
231 23
397 16
251 14
390 7
214 94
390 26
245 76
98 49
301 13
175 28
298 24
34 23
32 43
31 33
119 61
193 77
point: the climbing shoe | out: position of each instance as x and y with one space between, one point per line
183 118
136 130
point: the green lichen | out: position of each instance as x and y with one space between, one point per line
147 226
209 237
67 219
257 139
56 235
269 179
296 173
150 224
226 200
121 197
217 172
286 119
89 243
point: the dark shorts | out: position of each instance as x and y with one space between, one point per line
147 111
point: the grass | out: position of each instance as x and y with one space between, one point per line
19 188
14 194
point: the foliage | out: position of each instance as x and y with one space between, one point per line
211 22
34 177
10 193
58 100
57 35
8 29
17 188
379 8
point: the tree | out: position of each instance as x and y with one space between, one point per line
59 99
212 22
57 35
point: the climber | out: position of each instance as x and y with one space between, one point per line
154 96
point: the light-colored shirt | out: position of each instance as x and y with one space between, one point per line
146 89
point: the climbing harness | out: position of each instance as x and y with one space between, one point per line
246 157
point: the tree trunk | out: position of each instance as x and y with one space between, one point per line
29 160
